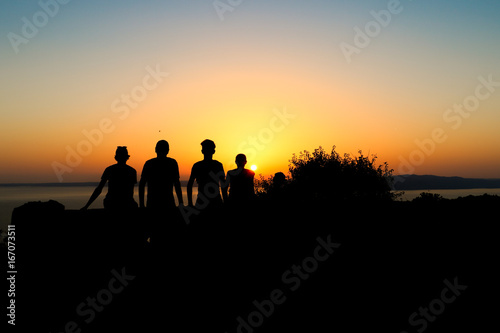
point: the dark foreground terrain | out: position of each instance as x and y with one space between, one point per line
271 267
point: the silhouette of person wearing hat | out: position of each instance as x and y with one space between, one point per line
121 179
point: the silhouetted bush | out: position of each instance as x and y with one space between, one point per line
322 175
426 197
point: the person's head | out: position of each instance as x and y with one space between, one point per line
121 155
279 179
208 147
241 160
162 148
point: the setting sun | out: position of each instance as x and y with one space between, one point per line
253 167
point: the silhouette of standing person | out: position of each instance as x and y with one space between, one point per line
121 180
209 174
160 174
240 182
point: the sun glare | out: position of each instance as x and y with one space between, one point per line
253 167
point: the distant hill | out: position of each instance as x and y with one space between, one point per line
429 182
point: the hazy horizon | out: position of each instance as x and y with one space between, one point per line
416 83
185 180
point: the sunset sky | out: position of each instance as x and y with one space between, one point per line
415 82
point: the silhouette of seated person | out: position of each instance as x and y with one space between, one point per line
121 179
276 190
240 181
160 175
210 176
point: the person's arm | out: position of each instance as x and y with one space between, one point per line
95 194
142 185
133 182
223 186
177 185
252 187
178 190
190 188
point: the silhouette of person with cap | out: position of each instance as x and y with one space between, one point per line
160 174
121 180
209 174
240 181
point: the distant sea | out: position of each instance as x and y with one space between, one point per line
75 196
72 196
